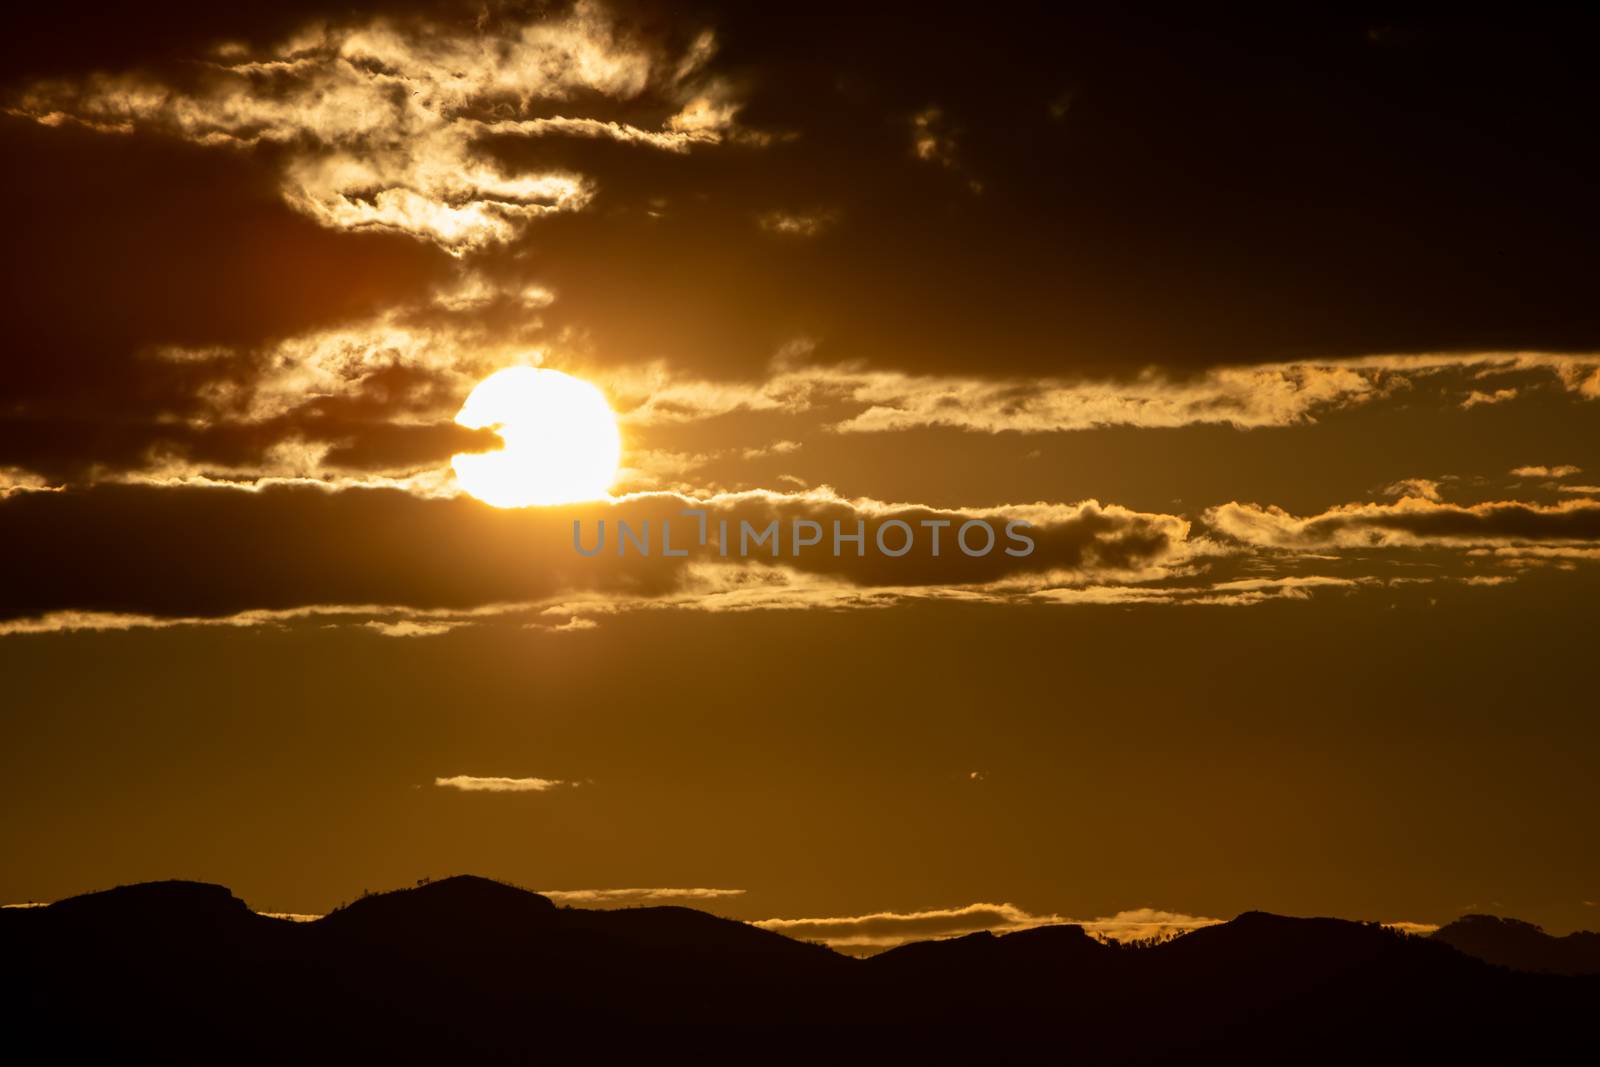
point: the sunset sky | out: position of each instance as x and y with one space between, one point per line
1281 332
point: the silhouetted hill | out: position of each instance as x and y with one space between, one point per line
984 951
472 970
455 913
1522 945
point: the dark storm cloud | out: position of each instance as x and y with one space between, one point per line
197 552
1109 192
119 244
322 441
1130 191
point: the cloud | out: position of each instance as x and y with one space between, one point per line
777 448
467 783
1426 488
184 251
371 398
1536 555
1413 928
883 124
1563 471
1477 398
606 159
400 565
412 628
1241 592
877 931
374 399
17 480
635 896
868 400
378 122
796 224
121 557
1143 924
456 136
387 619
1413 522
1287 584
119 551
932 138
885 929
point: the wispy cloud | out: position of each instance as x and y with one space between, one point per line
17 480
872 400
1478 398
388 619
1413 521
634 896
877 931
412 628
1086 553
467 783
380 122
1426 488
796 223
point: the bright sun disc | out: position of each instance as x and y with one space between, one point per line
561 440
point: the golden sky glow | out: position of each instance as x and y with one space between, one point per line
326 324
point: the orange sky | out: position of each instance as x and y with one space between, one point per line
1278 333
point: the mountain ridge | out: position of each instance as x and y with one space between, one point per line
1523 946
467 965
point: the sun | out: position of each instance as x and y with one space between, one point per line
561 440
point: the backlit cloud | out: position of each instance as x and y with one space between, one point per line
1564 470
1413 521
795 223
295 547
412 628
467 783
1426 488
636 896
876 931
305 553
866 400
17 480
379 121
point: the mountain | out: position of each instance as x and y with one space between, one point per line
470 969
1522 945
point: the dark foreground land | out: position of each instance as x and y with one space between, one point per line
469 970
